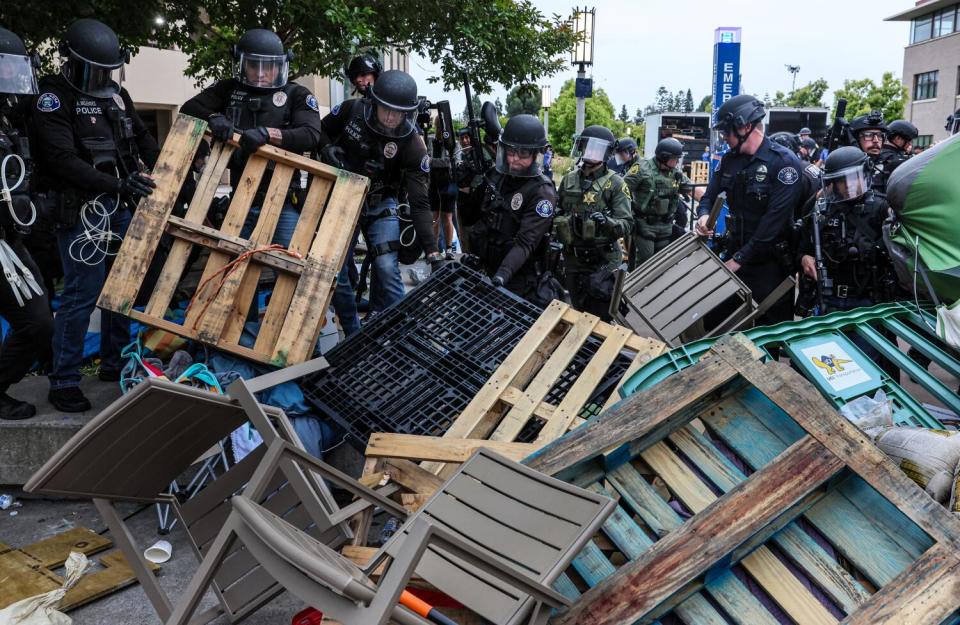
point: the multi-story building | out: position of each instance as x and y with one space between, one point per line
156 81
931 66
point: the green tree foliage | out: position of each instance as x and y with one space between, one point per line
864 96
523 99
476 109
810 95
706 104
638 117
624 116
688 102
496 41
563 116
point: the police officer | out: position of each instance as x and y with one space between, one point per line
809 150
23 300
594 212
376 136
264 107
362 72
624 156
811 173
91 147
510 233
763 184
655 185
870 132
895 151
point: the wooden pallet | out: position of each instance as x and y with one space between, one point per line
784 494
699 172
306 270
28 571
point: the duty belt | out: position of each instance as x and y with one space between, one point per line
657 219
591 253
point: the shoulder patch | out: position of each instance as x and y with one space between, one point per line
425 163
48 102
813 171
788 175
118 99
334 111
545 208
634 169
625 189
312 103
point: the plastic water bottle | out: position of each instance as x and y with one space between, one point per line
6 501
389 529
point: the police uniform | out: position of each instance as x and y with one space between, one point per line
763 192
291 108
510 234
655 197
84 146
397 167
591 251
885 163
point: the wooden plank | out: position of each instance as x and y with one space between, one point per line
537 390
737 600
216 241
308 306
734 521
173 267
223 320
116 575
636 364
413 447
411 476
283 290
789 390
123 283
53 552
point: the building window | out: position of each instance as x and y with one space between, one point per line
925 86
921 29
943 22
923 142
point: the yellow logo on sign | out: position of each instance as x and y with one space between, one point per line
830 363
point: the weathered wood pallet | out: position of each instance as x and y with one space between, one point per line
699 172
668 296
779 509
306 269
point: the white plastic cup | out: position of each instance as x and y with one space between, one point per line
159 552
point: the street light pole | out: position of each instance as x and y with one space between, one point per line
793 69
581 102
545 101
583 26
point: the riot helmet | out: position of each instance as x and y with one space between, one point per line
736 113
668 149
846 174
902 128
787 140
17 75
260 60
625 145
520 147
93 61
804 131
593 145
362 65
870 126
391 109
810 146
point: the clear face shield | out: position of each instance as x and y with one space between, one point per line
16 75
263 71
846 184
387 121
591 150
93 79
519 162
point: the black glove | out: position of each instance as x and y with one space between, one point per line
599 218
220 127
373 169
332 155
252 139
437 260
472 261
136 185
497 281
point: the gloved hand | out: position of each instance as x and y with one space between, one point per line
599 218
436 260
373 169
472 261
497 281
332 155
252 139
136 185
220 127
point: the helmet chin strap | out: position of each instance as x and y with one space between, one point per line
742 138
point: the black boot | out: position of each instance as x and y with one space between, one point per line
70 399
13 409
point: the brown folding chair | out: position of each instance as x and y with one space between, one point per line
494 538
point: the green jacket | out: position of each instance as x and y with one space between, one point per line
654 193
579 198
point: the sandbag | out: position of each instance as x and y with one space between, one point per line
929 457
954 506
42 609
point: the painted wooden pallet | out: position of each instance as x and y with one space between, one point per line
699 172
744 498
28 571
306 269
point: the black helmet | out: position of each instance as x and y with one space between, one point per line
787 140
668 148
16 66
804 131
739 111
260 60
808 143
522 138
870 121
953 123
902 128
491 123
846 174
392 106
361 65
92 54
626 144
594 144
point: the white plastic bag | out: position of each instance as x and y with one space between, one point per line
42 609
869 414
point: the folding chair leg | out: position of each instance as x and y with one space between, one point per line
204 576
123 538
